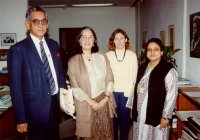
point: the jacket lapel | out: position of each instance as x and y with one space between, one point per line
34 51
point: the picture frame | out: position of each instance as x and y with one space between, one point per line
171 36
8 39
3 54
163 37
195 35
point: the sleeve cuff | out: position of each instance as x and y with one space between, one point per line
79 94
110 87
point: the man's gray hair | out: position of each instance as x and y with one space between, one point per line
34 9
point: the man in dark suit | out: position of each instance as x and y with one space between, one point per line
35 75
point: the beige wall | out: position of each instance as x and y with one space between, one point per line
103 20
12 15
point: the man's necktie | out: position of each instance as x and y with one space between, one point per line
47 68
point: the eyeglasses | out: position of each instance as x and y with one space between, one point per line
149 50
37 22
119 39
90 38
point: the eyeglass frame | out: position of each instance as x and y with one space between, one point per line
90 38
119 39
42 21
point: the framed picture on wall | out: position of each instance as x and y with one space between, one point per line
8 39
171 36
163 37
195 35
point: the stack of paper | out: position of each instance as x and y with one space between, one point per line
184 115
182 82
187 134
5 101
193 94
4 90
191 130
196 120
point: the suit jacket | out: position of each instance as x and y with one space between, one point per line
29 83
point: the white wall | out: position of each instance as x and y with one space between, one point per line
157 15
103 20
192 64
12 15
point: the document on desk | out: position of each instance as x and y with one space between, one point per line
5 101
184 115
182 82
4 90
193 94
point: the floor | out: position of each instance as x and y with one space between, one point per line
25 138
67 132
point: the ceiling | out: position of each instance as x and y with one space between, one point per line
68 3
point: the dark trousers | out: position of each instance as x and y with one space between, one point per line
122 122
50 131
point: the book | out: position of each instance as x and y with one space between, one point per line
193 94
5 101
195 132
4 90
186 135
195 121
183 81
191 133
184 115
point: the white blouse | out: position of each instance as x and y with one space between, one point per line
96 68
172 91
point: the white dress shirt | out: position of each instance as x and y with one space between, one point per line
49 57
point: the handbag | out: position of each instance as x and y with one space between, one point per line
67 102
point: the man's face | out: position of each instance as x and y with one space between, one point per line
196 31
37 24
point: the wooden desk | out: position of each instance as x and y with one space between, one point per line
185 103
4 79
7 121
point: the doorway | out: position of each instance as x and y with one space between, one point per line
68 40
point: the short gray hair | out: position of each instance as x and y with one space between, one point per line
34 9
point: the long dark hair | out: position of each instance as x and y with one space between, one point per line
158 42
94 49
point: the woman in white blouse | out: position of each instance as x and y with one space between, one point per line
91 80
124 65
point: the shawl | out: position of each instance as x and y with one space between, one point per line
78 76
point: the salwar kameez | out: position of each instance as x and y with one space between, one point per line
142 131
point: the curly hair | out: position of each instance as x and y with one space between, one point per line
111 44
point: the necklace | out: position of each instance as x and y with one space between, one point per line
122 58
89 58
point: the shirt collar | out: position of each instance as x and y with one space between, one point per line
36 40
